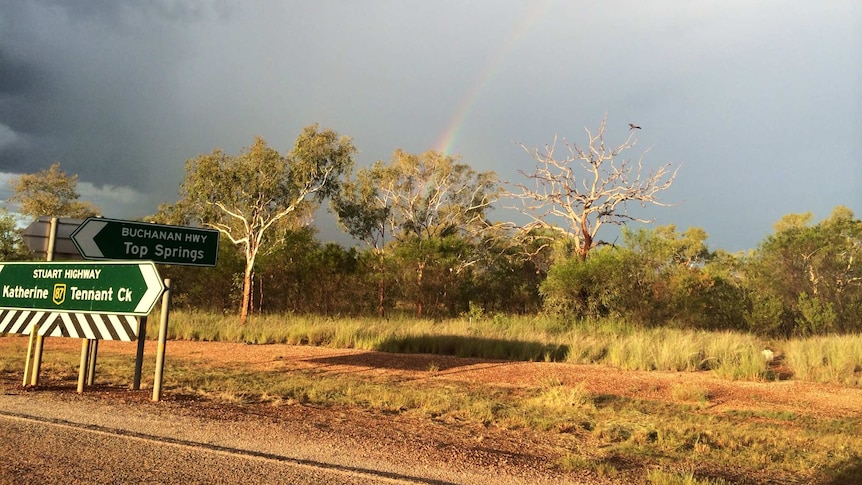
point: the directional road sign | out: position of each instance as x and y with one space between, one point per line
120 287
99 238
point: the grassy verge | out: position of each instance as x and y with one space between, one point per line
609 435
832 359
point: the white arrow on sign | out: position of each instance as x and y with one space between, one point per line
86 238
154 287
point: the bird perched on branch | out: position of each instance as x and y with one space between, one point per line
633 126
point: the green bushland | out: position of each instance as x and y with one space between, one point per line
731 355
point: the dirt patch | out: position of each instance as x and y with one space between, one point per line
788 395
793 396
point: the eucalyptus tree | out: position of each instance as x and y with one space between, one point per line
413 200
806 278
11 244
50 192
432 194
588 186
363 211
248 197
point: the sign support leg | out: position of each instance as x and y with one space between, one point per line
37 352
91 361
37 360
139 356
82 373
163 337
28 363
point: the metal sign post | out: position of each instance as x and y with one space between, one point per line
163 338
33 363
139 354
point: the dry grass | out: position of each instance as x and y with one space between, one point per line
731 355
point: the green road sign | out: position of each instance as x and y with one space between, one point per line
127 288
100 238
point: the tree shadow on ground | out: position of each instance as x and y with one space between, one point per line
445 352
849 472
405 362
475 347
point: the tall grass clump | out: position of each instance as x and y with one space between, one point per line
259 329
498 337
736 356
828 359
657 349
731 355
9 362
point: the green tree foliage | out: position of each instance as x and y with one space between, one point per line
806 278
11 244
419 205
431 273
424 196
50 192
658 277
586 289
574 195
510 271
253 197
434 195
216 289
363 212
305 276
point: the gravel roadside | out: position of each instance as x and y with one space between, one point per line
360 448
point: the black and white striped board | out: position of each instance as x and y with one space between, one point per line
77 325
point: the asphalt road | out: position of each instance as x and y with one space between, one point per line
44 440
40 451
46 452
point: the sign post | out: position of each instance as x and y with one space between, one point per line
101 239
41 237
97 300
163 337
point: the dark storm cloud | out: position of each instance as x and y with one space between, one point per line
86 83
21 81
17 76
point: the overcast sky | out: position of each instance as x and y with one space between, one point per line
760 103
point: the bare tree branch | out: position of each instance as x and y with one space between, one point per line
588 188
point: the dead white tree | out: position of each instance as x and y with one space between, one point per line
575 195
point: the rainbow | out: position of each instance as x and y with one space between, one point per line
450 134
